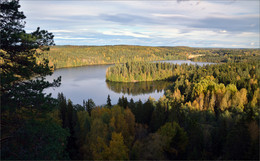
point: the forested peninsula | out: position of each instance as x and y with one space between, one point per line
139 72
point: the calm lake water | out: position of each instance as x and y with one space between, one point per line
90 82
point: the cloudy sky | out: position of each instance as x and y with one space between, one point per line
204 23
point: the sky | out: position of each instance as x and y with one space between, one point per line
201 23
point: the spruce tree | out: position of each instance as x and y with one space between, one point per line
109 101
24 106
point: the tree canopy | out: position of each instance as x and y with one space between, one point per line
24 106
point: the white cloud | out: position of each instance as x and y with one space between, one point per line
169 15
64 31
125 33
73 38
223 31
147 22
252 43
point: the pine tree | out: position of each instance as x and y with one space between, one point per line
89 105
63 110
24 106
18 54
109 101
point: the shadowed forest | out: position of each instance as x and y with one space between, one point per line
207 112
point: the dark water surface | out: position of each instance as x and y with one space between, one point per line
90 82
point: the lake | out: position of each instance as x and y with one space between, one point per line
90 82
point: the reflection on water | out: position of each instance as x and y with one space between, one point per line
138 88
90 82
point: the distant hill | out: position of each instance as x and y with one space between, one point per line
73 56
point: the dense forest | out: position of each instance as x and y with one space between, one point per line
139 72
208 112
229 55
72 56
